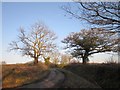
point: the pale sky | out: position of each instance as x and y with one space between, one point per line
24 14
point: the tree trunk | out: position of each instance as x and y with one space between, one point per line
36 60
85 59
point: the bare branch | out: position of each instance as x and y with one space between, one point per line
86 42
36 43
102 14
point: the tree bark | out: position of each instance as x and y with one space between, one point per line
36 60
85 59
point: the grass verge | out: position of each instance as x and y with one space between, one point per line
74 81
15 75
105 75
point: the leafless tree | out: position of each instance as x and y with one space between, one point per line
102 14
87 42
55 57
65 59
98 14
34 43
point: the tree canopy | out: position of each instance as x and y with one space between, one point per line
87 42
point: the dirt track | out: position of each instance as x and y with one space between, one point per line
54 78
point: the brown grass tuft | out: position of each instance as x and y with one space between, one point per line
15 75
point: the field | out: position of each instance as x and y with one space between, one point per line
15 75
74 75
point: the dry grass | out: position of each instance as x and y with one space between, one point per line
105 75
76 75
74 81
15 75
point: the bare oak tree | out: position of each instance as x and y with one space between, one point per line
98 14
102 14
34 43
87 42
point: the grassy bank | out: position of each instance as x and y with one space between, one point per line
105 75
15 75
74 81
